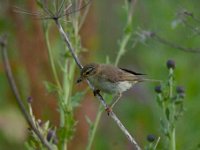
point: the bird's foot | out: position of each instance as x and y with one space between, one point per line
95 92
108 110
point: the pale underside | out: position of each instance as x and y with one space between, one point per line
111 79
111 87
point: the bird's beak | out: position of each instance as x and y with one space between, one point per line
79 80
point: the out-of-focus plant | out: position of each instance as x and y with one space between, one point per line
39 133
170 99
44 128
64 63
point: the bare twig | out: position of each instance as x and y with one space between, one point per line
17 95
176 46
76 10
155 36
47 14
100 98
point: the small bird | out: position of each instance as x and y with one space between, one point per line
110 79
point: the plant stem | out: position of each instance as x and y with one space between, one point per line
127 30
53 67
60 93
100 98
96 122
63 102
122 48
172 109
173 139
68 43
17 95
155 146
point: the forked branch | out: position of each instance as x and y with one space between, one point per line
100 98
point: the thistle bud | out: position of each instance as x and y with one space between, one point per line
158 89
171 64
151 138
29 99
180 91
51 136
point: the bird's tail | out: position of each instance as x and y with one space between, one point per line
150 80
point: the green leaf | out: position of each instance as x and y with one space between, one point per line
28 146
177 102
39 3
128 29
46 125
67 54
167 113
50 87
76 99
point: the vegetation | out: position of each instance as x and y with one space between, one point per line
48 43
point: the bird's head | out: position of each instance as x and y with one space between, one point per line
88 71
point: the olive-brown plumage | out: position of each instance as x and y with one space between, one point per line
110 79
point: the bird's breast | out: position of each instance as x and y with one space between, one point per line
110 87
123 86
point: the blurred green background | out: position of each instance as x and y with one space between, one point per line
100 34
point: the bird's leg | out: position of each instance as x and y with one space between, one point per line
96 91
114 101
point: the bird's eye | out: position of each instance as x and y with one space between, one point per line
88 72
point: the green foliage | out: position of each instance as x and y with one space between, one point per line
76 99
154 32
171 104
50 87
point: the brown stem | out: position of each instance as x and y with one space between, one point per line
17 95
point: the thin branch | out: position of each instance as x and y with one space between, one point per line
76 10
127 35
174 45
83 16
66 39
17 95
47 14
94 128
155 36
20 10
60 8
37 15
100 98
45 8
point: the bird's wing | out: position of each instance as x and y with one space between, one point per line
117 74
130 75
132 72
